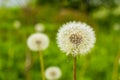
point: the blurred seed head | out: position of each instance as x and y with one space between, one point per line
76 38
39 27
38 42
116 27
17 24
53 73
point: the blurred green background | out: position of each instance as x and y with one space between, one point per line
17 62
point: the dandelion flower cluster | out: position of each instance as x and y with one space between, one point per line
38 42
53 73
76 38
39 27
17 24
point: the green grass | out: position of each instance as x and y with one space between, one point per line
97 65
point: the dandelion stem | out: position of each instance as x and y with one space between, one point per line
74 68
115 68
42 66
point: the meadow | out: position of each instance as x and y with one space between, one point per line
18 62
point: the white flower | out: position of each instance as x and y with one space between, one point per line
39 27
76 38
17 24
53 73
38 41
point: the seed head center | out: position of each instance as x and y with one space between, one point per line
53 73
75 38
38 42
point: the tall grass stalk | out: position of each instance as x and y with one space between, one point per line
42 65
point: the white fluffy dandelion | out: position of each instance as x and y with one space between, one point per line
76 38
53 73
38 41
39 27
17 24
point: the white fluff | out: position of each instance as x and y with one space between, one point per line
39 27
82 41
38 42
53 73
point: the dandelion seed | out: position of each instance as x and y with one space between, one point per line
53 73
17 24
39 27
76 38
38 42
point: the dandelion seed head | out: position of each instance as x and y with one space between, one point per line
75 38
38 41
53 73
17 24
39 27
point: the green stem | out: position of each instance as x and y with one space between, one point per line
115 68
74 68
42 66
28 65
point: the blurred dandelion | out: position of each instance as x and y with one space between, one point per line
38 42
16 24
53 73
75 38
39 27
116 27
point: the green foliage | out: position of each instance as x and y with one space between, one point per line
97 65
